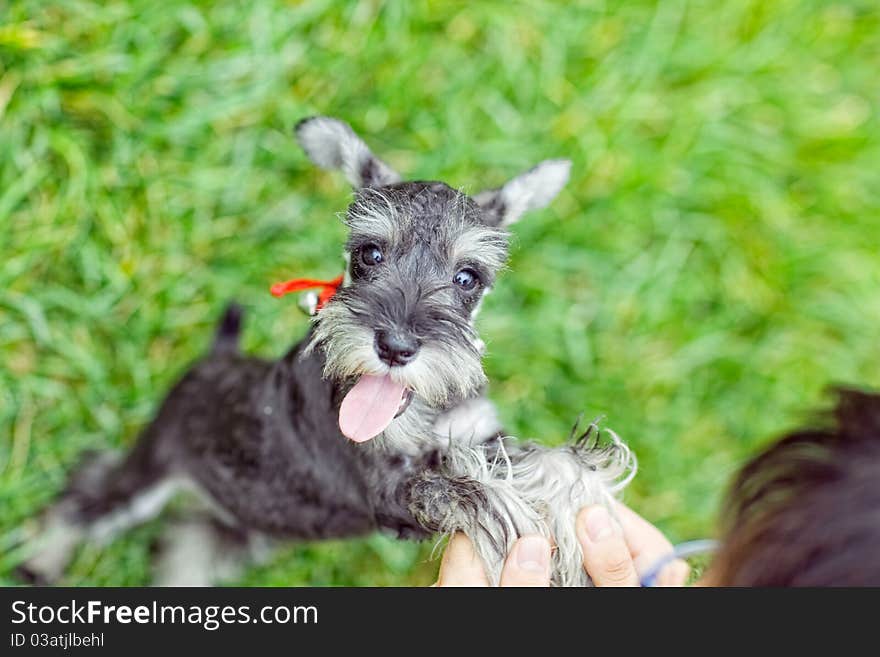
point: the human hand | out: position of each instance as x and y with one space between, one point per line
528 564
619 553
615 554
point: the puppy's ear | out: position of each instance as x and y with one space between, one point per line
332 144
531 190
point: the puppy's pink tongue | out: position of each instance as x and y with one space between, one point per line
369 407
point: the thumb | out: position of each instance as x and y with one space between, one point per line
528 563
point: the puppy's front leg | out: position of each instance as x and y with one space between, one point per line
500 490
467 494
558 481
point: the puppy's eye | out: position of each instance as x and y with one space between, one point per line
371 255
466 279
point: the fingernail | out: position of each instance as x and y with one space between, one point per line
598 524
533 554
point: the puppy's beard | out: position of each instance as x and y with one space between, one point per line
439 374
442 375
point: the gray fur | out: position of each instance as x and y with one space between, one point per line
259 441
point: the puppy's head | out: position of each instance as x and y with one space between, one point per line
420 256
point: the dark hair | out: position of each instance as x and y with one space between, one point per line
806 511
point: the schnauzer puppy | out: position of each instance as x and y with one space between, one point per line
377 419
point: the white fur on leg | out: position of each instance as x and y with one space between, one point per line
52 546
535 489
200 552
476 496
558 481
142 507
59 533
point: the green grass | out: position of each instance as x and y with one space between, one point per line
712 265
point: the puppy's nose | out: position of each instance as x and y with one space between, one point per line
396 347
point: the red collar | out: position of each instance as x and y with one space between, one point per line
328 288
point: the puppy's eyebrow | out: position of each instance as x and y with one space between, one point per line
482 245
357 240
375 216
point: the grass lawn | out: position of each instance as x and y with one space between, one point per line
712 266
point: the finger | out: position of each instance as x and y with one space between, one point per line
528 563
641 536
675 573
460 565
648 546
606 555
